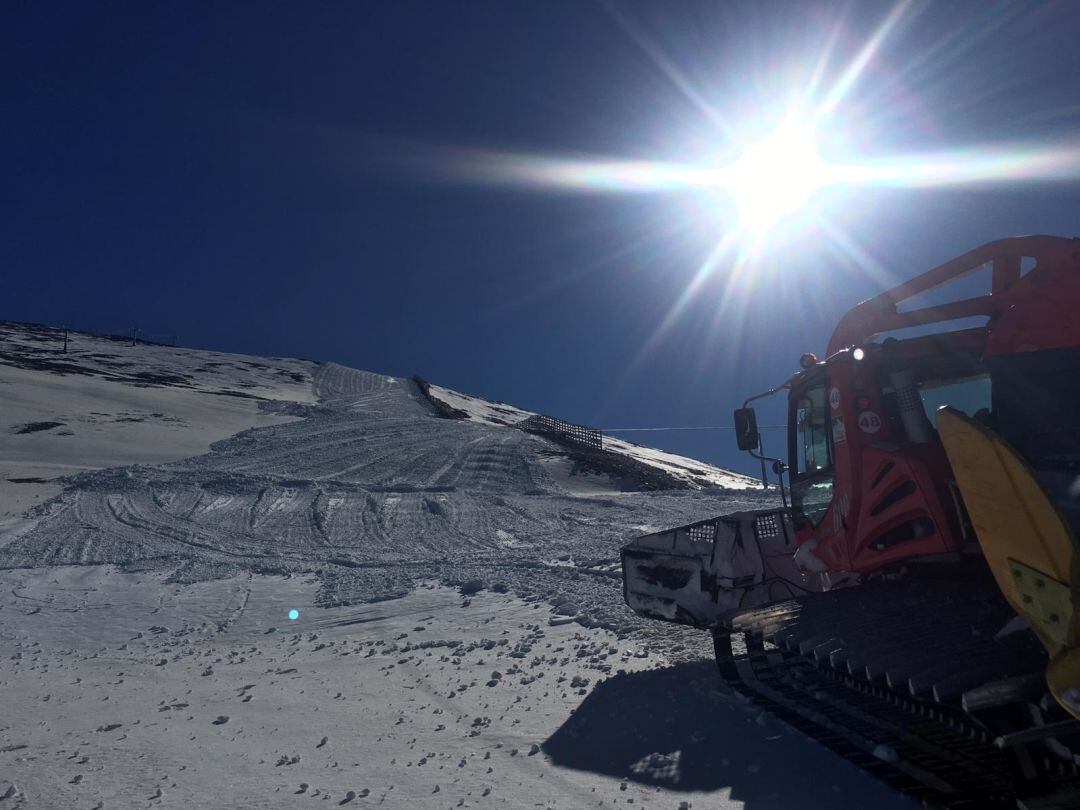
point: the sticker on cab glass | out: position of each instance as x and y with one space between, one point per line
839 432
834 399
869 422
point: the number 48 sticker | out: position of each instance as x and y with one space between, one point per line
869 422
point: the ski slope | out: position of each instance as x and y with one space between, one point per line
461 638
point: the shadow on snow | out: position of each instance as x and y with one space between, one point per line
679 728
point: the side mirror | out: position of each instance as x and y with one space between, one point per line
746 431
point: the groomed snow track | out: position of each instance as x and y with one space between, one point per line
909 681
369 490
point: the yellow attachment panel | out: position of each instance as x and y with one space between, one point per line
1063 678
1022 535
1047 603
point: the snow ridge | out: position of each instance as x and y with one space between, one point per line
688 472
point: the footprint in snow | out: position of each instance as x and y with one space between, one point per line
221 720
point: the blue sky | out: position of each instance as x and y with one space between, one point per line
293 179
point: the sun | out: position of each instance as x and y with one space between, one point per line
773 178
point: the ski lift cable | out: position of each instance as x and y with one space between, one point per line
699 427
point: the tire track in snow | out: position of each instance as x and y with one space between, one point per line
317 518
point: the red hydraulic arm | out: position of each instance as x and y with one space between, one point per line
879 314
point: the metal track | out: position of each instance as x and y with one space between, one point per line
881 674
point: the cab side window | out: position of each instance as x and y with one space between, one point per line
812 425
812 476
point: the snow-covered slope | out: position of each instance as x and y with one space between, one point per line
363 484
694 474
106 403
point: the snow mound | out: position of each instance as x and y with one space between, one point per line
105 403
351 476
342 385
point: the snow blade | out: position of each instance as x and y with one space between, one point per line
694 574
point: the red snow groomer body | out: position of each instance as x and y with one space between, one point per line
929 453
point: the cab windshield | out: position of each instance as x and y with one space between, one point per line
811 452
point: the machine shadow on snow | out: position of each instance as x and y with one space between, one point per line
677 728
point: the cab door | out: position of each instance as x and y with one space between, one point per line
813 465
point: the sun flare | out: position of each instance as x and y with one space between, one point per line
774 177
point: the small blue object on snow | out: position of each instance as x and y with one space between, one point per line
294 614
